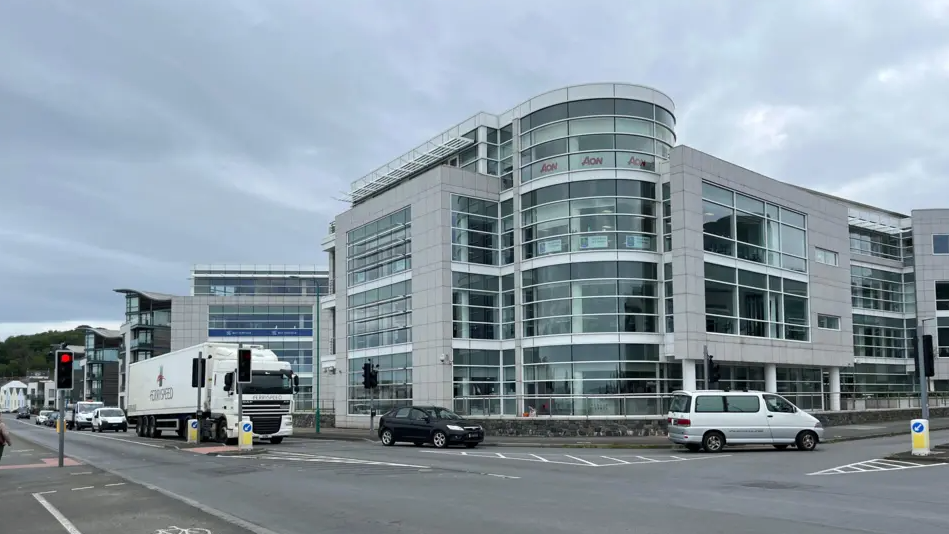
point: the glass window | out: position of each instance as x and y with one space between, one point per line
583 108
828 322
940 243
551 131
793 241
742 403
709 403
591 126
634 108
634 126
544 116
717 220
717 194
636 143
827 257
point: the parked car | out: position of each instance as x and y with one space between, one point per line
43 417
711 420
109 419
428 424
23 413
51 419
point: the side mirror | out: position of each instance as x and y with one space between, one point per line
228 381
428 419
296 381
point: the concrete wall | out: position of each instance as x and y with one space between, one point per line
829 287
930 268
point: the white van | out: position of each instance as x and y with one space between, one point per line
711 420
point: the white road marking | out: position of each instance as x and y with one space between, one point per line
115 484
329 459
873 466
566 459
66 523
83 488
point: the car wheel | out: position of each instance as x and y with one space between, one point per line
693 447
713 441
806 441
439 439
781 447
387 438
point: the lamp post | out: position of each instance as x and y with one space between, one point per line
318 364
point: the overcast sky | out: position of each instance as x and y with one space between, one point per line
139 137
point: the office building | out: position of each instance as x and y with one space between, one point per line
269 305
101 369
146 332
562 258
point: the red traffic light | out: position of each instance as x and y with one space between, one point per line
65 358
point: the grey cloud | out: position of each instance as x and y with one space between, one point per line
177 133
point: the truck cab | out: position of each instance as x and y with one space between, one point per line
267 400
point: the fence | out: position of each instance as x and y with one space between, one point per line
887 402
327 406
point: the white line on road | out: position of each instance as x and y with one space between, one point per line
541 458
331 459
587 462
651 460
83 488
873 466
66 523
115 484
617 460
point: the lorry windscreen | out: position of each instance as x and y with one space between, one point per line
268 383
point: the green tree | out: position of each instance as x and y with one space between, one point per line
20 354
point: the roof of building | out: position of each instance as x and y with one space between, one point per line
13 384
161 297
104 332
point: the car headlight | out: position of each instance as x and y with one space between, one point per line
455 428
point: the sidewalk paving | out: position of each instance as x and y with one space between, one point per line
831 435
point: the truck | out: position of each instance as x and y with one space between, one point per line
162 395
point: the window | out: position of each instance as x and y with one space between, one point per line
750 229
942 296
395 384
827 257
940 243
727 403
828 322
475 231
485 382
877 289
778 404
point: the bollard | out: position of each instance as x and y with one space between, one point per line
245 438
193 431
919 429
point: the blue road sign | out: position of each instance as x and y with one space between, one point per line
246 427
194 424
918 427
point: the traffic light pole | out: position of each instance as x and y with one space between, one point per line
240 398
705 361
62 426
921 370
372 408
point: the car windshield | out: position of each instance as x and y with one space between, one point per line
111 413
46 412
269 383
442 413
87 408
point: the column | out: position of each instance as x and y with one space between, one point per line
834 389
688 375
771 378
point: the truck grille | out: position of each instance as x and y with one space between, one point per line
265 424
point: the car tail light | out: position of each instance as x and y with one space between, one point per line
681 422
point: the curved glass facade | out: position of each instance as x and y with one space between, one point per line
612 134
589 215
591 297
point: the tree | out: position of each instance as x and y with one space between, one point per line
20 354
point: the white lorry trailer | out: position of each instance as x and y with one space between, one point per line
162 397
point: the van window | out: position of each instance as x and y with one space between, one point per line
681 403
742 403
778 404
709 404
726 403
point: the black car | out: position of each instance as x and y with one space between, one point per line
23 413
428 424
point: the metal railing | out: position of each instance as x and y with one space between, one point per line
860 402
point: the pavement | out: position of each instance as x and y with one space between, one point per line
37 496
831 434
360 487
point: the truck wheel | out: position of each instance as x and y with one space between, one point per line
277 440
220 431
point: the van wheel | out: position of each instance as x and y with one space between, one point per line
806 441
693 447
713 441
781 447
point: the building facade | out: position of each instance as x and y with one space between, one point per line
270 305
146 332
102 369
562 258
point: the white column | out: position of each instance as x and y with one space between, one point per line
835 389
771 378
688 375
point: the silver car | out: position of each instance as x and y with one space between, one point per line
711 420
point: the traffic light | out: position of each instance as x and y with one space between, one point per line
373 379
243 366
929 356
64 365
714 371
366 375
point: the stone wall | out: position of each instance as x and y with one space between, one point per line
553 427
306 419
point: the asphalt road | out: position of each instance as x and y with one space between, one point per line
307 486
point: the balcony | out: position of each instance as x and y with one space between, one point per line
150 319
140 343
102 355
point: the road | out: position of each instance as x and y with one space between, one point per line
306 486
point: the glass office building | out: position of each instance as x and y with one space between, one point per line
566 258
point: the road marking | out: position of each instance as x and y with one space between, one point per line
83 488
873 466
330 459
81 473
115 484
66 523
566 459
